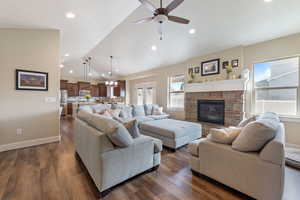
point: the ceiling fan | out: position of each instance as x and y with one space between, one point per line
161 15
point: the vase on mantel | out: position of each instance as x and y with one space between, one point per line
228 77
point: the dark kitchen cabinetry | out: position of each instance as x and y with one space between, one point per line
102 90
72 89
63 84
84 86
94 90
120 90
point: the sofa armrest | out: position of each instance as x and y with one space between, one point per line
273 151
193 147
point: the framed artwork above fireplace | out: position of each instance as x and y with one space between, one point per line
210 67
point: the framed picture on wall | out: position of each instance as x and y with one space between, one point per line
225 64
31 80
210 67
197 70
191 70
235 63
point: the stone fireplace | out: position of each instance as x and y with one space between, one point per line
215 104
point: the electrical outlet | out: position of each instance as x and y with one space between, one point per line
19 131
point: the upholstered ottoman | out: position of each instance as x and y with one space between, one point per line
173 133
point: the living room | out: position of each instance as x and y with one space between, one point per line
192 99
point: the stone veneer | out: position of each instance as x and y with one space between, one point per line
234 101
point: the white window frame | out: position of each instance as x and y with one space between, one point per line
169 94
253 96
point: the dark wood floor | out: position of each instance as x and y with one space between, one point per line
52 172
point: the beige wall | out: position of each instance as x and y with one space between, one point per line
247 55
36 50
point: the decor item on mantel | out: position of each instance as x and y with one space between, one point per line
191 75
229 69
31 80
111 82
210 67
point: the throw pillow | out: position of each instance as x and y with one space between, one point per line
157 111
254 136
114 112
148 109
126 112
224 136
132 127
138 111
99 108
114 130
244 122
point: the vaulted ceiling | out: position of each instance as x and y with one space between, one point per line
104 28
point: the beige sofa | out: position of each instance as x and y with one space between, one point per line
259 175
109 165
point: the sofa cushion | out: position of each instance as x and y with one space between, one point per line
225 135
255 135
158 117
148 109
114 130
171 128
126 112
84 115
132 127
86 108
114 112
100 108
138 111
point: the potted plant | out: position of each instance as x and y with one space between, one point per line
229 69
88 97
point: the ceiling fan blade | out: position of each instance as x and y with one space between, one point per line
148 5
178 20
174 4
144 20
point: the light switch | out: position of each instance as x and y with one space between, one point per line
50 99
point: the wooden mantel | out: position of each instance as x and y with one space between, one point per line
215 86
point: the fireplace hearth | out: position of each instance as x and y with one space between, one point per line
211 111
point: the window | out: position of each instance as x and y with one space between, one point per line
276 86
145 93
176 92
140 96
149 95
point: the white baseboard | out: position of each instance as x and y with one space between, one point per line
293 145
29 143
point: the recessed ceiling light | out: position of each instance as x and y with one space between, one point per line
192 31
67 55
267 0
70 15
61 66
154 48
90 74
71 71
109 72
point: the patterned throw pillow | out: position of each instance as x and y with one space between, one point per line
244 122
157 110
132 127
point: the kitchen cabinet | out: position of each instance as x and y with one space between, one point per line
63 84
94 90
120 90
84 86
102 90
72 89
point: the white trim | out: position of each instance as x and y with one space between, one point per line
29 143
293 145
224 85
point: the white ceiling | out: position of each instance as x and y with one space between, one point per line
220 24
99 30
94 20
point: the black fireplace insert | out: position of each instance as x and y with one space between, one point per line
212 111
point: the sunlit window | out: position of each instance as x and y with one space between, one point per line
176 92
276 86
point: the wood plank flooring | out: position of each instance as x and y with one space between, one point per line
52 172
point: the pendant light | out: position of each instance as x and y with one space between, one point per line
87 68
111 82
